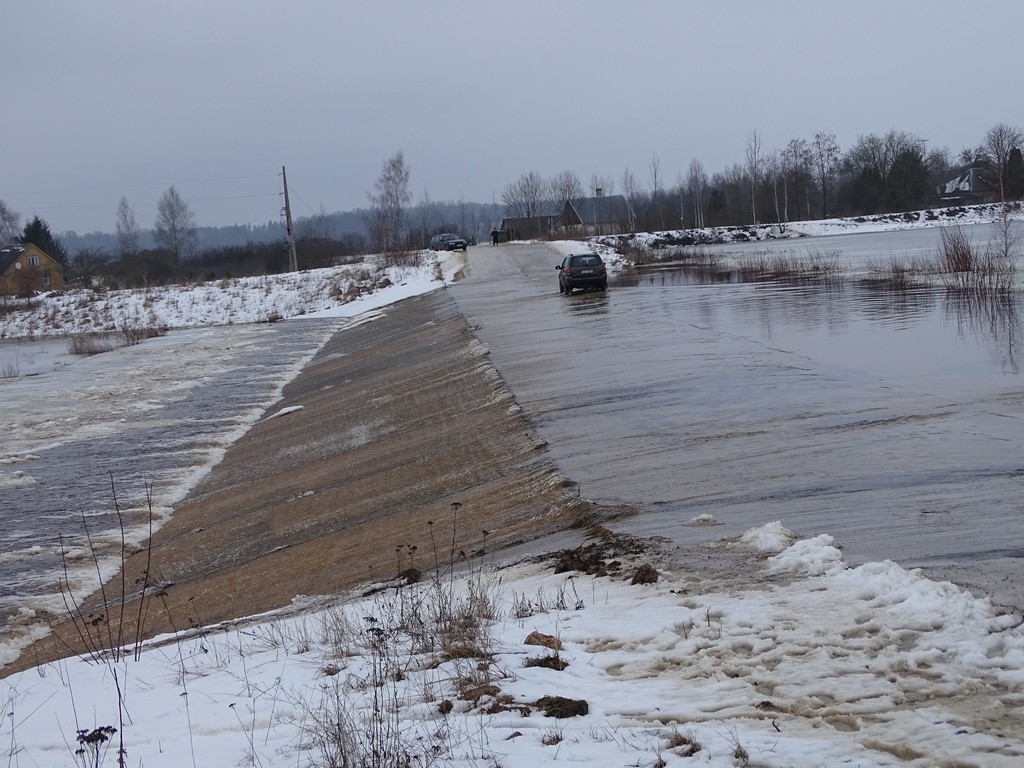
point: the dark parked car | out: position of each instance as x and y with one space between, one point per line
447 242
582 270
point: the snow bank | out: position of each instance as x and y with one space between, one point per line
869 666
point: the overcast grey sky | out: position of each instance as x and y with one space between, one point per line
104 99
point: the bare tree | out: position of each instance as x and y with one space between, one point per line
795 159
315 227
388 205
600 187
565 188
887 172
654 167
940 165
524 197
1006 244
681 194
9 224
972 157
427 218
604 184
697 183
631 191
175 228
773 172
86 264
825 156
879 153
127 229
755 168
1000 140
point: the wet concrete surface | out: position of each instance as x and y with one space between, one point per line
397 447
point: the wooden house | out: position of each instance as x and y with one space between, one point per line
601 215
528 227
26 269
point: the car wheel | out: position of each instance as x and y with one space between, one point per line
568 289
604 286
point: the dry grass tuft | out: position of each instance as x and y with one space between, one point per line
548 661
86 344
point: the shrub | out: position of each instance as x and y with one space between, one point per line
956 253
89 344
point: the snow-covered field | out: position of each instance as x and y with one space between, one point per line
801 662
344 291
888 222
790 659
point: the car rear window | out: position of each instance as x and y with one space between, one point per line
590 260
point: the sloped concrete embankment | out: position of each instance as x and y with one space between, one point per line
397 435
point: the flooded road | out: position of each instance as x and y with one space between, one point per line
893 422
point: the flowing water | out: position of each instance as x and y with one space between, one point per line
127 432
893 421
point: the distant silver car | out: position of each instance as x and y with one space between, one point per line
447 242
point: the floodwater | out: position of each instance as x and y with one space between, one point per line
128 431
859 250
891 421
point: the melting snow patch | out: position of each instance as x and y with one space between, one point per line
704 519
771 537
15 479
809 557
285 411
835 666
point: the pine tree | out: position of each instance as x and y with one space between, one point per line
1015 175
37 232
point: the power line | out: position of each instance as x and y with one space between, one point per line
135 186
106 206
236 197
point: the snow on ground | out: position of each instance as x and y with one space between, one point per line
54 398
963 215
811 663
344 291
802 661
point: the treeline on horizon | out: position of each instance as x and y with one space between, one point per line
322 240
804 180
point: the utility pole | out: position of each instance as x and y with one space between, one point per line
293 260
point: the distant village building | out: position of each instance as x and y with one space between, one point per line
600 215
529 227
25 269
969 188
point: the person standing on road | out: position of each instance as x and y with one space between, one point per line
494 237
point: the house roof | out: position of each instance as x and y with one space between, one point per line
527 221
601 210
8 255
971 180
11 253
